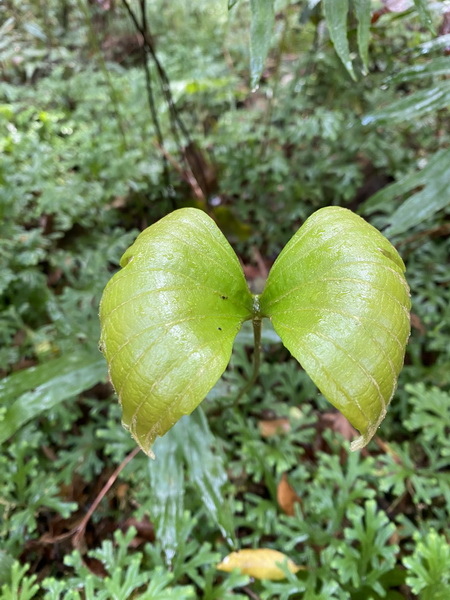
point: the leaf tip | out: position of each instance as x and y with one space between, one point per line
362 441
146 445
150 454
359 443
351 72
146 448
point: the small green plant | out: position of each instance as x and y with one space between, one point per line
336 296
428 567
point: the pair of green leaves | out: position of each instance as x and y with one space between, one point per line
336 296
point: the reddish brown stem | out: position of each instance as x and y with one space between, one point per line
79 529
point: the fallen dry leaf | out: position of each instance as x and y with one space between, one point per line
145 531
417 324
260 563
274 427
286 496
338 423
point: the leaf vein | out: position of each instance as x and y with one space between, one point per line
149 348
346 314
351 279
368 375
169 325
199 252
343 264
177 274
328 374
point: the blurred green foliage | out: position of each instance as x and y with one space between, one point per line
81 172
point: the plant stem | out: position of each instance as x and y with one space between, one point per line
93 38
257 352
256 360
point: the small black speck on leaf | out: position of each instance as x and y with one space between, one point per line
224 297
219 328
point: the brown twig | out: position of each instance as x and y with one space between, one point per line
387 449
144 30
185 173
438 231
79 529
177 125
250 593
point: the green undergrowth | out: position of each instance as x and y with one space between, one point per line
81 172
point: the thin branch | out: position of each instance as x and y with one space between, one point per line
148 80
176 122
79 529
149 86
270 107
256 361
250 593
257 351
144 30
101 60
186 175
438 230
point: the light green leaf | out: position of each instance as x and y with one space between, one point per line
436 167
26 394
363 15
169 319
413 105
421 206
262 22
436 67
338 299
35 30
7 26
424 14
207 472
438 43
167 490
190 441
435 195
336 12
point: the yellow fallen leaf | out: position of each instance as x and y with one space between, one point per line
260 563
